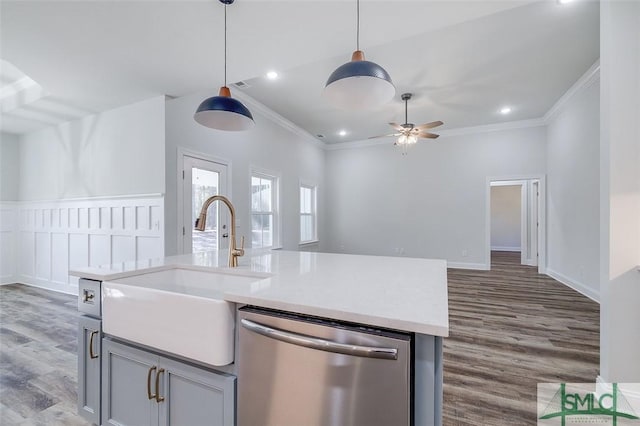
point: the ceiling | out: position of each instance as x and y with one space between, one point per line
463 60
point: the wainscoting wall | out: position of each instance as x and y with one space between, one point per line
42 241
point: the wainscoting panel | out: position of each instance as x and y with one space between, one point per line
55 236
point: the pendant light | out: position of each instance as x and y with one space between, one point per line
223 112
359 84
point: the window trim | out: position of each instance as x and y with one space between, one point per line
314 212
276 178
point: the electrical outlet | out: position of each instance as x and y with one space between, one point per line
464 253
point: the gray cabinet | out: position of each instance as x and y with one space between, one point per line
89 342
140 388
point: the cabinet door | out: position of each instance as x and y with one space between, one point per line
128 386
193 396
89 359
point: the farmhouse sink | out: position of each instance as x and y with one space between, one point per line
177 310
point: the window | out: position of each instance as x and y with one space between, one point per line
308 228
264 211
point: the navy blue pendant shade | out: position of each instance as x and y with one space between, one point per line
359 84
223 112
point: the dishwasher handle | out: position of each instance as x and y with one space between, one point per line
320 344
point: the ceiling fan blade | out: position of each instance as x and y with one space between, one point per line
396 126
427 135
429 125
384 136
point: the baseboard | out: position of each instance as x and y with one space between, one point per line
504 248
579 287
48 285
464 265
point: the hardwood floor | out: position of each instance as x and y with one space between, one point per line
38 361
510 329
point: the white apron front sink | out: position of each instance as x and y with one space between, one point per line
180 311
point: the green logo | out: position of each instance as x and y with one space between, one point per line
588 405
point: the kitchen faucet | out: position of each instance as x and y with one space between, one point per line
234 252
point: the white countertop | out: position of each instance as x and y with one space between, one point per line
393 292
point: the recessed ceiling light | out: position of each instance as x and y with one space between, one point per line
505 110
342 133
272 75
564 1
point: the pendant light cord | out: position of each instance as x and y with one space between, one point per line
225 45
358 25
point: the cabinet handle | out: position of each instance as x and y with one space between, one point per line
91 336
149 394
158 397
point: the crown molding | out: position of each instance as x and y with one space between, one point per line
278 119
585 81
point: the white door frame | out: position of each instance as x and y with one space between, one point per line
182 153
541 243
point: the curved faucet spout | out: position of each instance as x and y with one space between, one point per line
201 221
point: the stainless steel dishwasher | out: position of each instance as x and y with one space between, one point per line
301 371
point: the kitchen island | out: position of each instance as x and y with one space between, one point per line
383 293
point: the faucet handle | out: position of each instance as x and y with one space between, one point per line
239 251
242 243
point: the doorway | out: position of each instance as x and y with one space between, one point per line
201 178
515 219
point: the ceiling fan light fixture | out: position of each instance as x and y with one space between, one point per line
406 140
223 112
359 84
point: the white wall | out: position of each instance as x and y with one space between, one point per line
117 152
505 217
90 193
430 203
9 170
573 190
9 180
268 145
620 191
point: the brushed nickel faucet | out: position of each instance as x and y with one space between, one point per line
201 221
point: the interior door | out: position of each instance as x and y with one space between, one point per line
535 221
201 180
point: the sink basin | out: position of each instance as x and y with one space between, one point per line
176 310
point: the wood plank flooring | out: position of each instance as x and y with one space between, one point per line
38 357
510 329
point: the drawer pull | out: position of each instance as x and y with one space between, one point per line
158 397
92 355
149 394
89 295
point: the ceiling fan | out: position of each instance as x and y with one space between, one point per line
408 133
